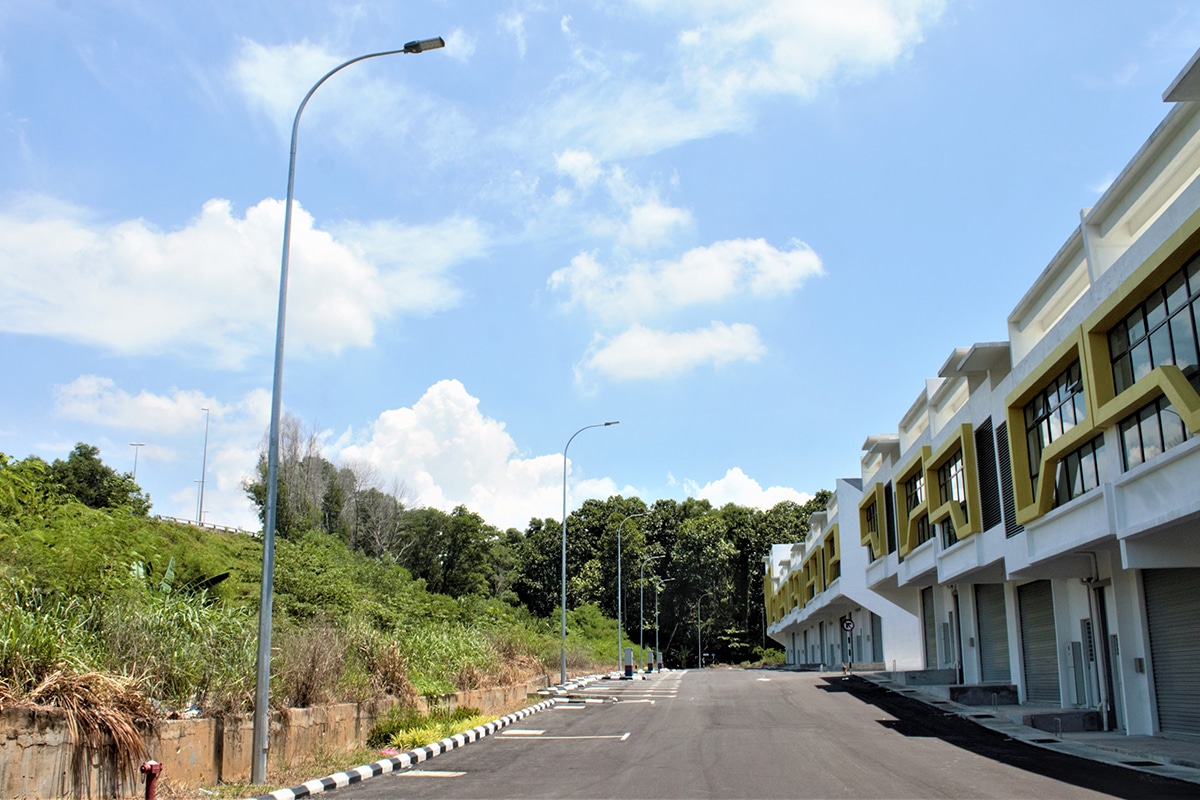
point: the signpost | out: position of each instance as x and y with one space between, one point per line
848 627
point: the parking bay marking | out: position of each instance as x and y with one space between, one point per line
530 737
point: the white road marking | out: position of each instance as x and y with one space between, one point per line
621 737
523 733
430 773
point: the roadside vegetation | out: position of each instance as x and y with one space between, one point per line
115 616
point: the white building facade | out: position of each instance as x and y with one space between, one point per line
1034 522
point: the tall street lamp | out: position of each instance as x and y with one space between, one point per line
658 587
563 648
258 755
642 605
203 470
620 618
136 447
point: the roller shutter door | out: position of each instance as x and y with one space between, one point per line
993 633
1039 651
1172 617
930 625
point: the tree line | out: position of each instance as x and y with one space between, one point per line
704 563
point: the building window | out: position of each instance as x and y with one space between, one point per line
1051 413
952 482
949 535
1161 330
914 491
871 517
1078 472
924 530
1149 432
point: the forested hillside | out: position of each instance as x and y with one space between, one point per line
372 593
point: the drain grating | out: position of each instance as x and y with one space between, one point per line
983 716
1044 741
1141 763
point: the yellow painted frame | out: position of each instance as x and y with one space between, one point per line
1028 506
907 533
874 542
964 439
831 553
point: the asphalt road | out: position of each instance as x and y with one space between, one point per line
721 733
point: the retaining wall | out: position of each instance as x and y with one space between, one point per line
38 758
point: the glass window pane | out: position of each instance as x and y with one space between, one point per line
1141 360
1184 341
1193 275
1172 426
1156 310
1118 340
1123 373
1160 347
1090 469
1062 484
1177 293
1080 403
1131 443
1136 323
1035 452
1152 444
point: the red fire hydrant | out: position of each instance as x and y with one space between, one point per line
151 769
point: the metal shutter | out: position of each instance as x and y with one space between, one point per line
993 633
1011 528
1172 617
989 483
876 637
930 623
1039 650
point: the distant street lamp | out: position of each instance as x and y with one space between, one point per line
203 470
642 605
658 587
258 755
620 618
563 648
699 650
136 447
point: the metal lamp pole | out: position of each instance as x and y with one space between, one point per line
258 755
620 618
658 587
563 648
642 605
136 447
699 650
203 471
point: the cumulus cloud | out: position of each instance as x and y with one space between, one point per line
209 290
460 45
738 487
704 275
643 353
446 451
729 54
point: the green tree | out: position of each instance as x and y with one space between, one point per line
90 481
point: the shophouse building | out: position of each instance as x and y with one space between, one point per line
1033 525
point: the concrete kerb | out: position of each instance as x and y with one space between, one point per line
411 758
1144 757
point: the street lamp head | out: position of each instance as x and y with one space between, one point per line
421 45
614 422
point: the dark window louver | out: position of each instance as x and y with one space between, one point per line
989 480
889 506
1011 528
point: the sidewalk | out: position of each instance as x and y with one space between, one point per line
1158 755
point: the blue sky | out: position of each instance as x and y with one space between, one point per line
743 229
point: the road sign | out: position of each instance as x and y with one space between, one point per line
847 625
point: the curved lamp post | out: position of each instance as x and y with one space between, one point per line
621 619
658 587
699 649
563 648
258 755
642 605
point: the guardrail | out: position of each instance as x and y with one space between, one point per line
209 526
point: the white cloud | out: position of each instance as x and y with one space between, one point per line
581 166
515 25
738 487
449 453
640 353
210 290
460 45
727 55
704 275
93 398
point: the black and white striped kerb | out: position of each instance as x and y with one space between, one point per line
408 759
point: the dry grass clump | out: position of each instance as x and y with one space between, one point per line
389 671
101 710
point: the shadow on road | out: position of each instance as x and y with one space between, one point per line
914 718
